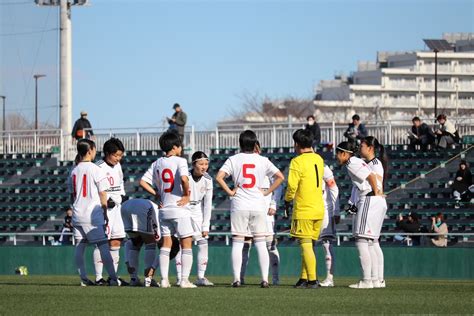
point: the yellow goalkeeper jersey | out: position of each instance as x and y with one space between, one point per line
305 183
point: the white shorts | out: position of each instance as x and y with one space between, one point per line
115 228
89 233
181 227
368 221
328 228
196 221
248 223
134 223
270 220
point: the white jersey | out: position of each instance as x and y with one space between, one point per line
376 166
248 171
330 193
115 177
201 199
165 174
85 183
358 172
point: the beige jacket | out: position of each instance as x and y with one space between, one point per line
442 239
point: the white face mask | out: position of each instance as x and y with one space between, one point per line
310 122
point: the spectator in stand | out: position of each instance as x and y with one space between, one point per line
439 226
420 134
446 133
177 121
356 130
462 184
409 225
78 131
67 227
315 130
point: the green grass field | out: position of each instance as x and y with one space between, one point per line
28 295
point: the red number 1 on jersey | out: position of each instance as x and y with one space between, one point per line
248 175
84 185
168 177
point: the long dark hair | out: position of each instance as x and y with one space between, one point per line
346 147
83 146
379 150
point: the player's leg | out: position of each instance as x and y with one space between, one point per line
117 234
274 258
239 221
132 249
179 266
327 246
203 257
167 229
245 258
258 227
150 257
186 232
307 232
362 245
380 283
374 262
81 243
98 267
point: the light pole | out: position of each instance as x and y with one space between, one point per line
3 122
36 98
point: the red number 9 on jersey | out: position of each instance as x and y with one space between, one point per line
167 177
248 175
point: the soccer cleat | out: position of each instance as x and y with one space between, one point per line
87 282
101 282
276 282
236 284
178 282
165 284
203 282
377 284
313 285
149 282
123 282
264 285
135 282
301 284
362 284
114 282
327 283
242 281
185 284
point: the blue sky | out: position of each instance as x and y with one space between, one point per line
133 59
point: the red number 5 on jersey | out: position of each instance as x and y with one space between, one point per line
167 177
248 175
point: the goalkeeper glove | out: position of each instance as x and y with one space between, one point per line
351 209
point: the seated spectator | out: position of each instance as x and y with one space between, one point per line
315 130
409 225
67 227
461 184
356 130
441 228
446 133
420 134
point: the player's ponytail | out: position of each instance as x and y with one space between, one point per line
83 147
379 152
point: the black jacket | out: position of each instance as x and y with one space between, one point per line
80 125
316 131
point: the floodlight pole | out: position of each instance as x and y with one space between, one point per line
3 122
65 80
436 85
36 98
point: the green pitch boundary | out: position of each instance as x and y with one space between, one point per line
436 263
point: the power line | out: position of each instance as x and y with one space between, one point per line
28 33
15 3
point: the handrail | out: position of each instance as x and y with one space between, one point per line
228 235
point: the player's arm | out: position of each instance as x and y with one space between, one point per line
278 179
276 196
220 179
333 192
293 182
186 192
372 179
206 211
147 187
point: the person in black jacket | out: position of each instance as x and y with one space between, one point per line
420 134
78 131
410 225
315 130
461 184
356 130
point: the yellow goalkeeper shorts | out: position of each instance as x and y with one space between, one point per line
306 228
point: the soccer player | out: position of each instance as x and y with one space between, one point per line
305 183
200 184
88 185
331 218
169 175
141 222
368 205
248 209
370 149
113 153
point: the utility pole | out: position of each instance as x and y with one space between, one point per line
3 122
36 98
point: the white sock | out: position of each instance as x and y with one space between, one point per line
274 259
115 253
150 255
164 262
98 265
380 258
187 263
327 249
374 262
179 264
237 246
133 254
245 258
202 257
79 258
263 258
107 259
364 257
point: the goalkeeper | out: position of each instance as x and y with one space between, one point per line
305 181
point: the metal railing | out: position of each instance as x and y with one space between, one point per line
225 136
